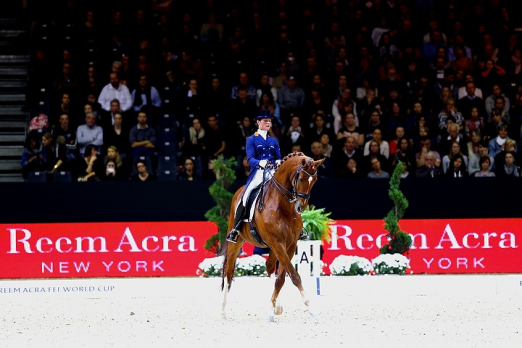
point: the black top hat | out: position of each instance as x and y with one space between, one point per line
263 114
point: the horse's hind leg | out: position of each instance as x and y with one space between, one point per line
229 266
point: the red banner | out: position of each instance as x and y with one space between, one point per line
177 248
103 249
439 246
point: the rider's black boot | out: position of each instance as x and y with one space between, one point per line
233 235
304 234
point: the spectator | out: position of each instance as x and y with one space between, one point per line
454 151
510 168
374 151
291 99
420 157
146 98
112 172
341 157
295 134
509 146
90 167
349 128
490 101
55 154
449 111
405 155
68 134
475 159
188 171
383 144
485 168
117 135
497 144
377 172
446 143
475 124
121 171
326 169
244 83
89 134
142 138
457 167
215 141
428 169
338 110
192 144
115 90
34 157
142 173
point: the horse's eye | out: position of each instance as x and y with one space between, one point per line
301 180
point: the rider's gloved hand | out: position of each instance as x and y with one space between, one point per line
263 163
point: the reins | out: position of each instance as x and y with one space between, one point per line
290 194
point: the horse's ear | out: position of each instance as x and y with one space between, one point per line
319 162
303 162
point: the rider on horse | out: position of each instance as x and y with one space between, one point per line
263 154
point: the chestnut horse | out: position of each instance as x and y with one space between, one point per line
279 224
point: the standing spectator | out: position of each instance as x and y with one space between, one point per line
115 90
142 139
89 134
146 98
291 99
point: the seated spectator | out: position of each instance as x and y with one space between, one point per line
428 168
319 127
341 156
89 134
90 167
447 159
122 168
188 171
291 99
453 135
377 172
492 128
485 168
509 146
374 151
474 159
349 128
425 144
475 123
375 121
55 154
295 134
326 169
33 157
338 109
142 173
457 167
449 111
243 172
497 144
325 143
142 138
393 144
405 155
115 90
112 172
383 144
510 168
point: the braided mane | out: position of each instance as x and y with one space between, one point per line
290 155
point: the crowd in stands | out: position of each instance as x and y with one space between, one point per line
156 90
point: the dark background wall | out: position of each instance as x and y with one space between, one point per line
185 201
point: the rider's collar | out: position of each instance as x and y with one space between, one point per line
263 133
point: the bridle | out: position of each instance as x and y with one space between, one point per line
292 194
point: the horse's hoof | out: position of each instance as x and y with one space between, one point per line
278 310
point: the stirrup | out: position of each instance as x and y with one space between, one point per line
304 234
233 236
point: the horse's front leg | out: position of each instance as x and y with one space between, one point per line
229 266
275 306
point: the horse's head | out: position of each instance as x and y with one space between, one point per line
301 174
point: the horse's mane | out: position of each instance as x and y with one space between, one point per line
287 157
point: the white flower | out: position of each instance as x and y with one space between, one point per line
390 264
211 266
350 265
251 265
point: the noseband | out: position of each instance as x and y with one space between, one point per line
292 194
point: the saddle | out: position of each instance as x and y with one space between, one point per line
253 200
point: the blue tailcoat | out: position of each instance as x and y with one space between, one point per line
258 149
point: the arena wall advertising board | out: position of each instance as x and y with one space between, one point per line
77 250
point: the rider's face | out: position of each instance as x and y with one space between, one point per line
264 124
